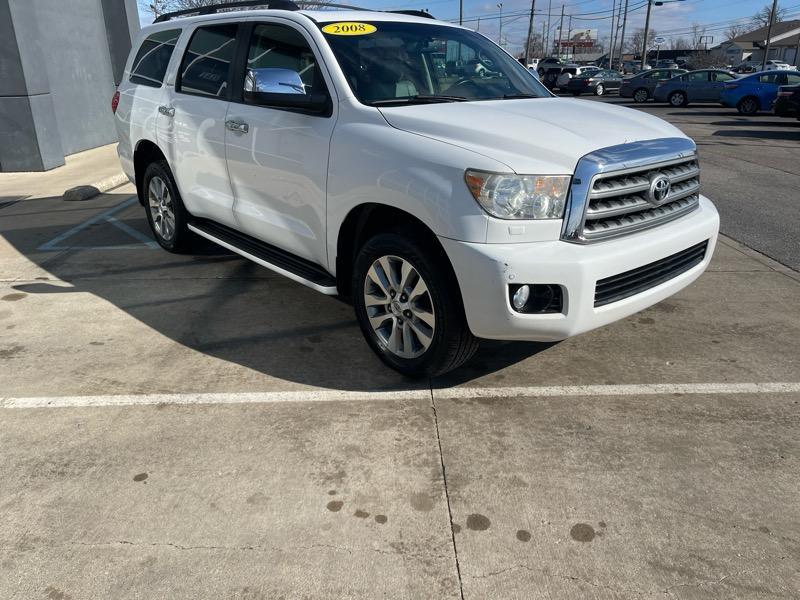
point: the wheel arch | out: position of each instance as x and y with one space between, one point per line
368 219
145 153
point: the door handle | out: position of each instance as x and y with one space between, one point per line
167 111
236 126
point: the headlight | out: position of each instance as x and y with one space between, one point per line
519 196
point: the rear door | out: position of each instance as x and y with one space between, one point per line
192 123
278 156
699 86
718 81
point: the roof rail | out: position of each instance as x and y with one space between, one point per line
275 5
413 13
215 8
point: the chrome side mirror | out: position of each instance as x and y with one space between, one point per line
273 81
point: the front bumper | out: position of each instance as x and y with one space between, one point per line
485 271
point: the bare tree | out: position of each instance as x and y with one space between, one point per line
635 43
735 31
696 36
679 44
761 18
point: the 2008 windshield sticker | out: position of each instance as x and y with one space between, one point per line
349 28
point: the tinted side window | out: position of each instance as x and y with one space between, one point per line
699 77
206 65
720 76
151 60
768 78
793 78
280 47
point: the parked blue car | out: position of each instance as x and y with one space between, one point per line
756 92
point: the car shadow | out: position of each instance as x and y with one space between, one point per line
763 134
760 123
210 301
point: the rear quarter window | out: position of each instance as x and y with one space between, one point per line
151 60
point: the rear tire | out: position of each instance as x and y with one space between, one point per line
165 211
748 105
408 304
599 90
678 99
641 95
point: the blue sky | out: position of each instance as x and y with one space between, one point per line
673 20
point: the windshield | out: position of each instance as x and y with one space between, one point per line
405 63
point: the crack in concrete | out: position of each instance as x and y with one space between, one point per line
667 590
446 492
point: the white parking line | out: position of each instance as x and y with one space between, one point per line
418 394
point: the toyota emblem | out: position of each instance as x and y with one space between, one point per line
659 189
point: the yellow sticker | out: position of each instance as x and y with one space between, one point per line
349 28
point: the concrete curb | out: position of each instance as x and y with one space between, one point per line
85 192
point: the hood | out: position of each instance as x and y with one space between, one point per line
531 136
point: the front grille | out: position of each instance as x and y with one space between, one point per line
618 201
614 288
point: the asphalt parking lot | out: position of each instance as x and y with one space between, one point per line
195 426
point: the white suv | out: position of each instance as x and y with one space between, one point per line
359 153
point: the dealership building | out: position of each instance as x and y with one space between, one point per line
60 62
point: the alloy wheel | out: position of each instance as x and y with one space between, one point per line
399 307
676 99
600 90
162 209
640 96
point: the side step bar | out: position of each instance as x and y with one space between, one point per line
287 264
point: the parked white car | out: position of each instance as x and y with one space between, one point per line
351 152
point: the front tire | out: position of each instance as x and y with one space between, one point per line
165 211
599 90
408 305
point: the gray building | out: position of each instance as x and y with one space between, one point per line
60 61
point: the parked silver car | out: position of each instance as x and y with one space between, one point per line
704 85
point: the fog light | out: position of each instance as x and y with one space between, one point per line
538 298
520 298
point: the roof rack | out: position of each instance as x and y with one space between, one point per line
274 5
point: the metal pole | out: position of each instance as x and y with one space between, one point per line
500 33
560 29
569 38
544 47
460 12
647 32
530 35
769 34
622 38
547 41
613 29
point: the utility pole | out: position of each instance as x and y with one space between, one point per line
769 34
544 47
647 32
569 38
479 24
460 12
613 32
530 35
547 40
561 27
500 34
622 38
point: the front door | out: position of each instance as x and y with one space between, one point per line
191 127
278 157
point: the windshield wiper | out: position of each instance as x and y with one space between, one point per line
518 96
418 99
